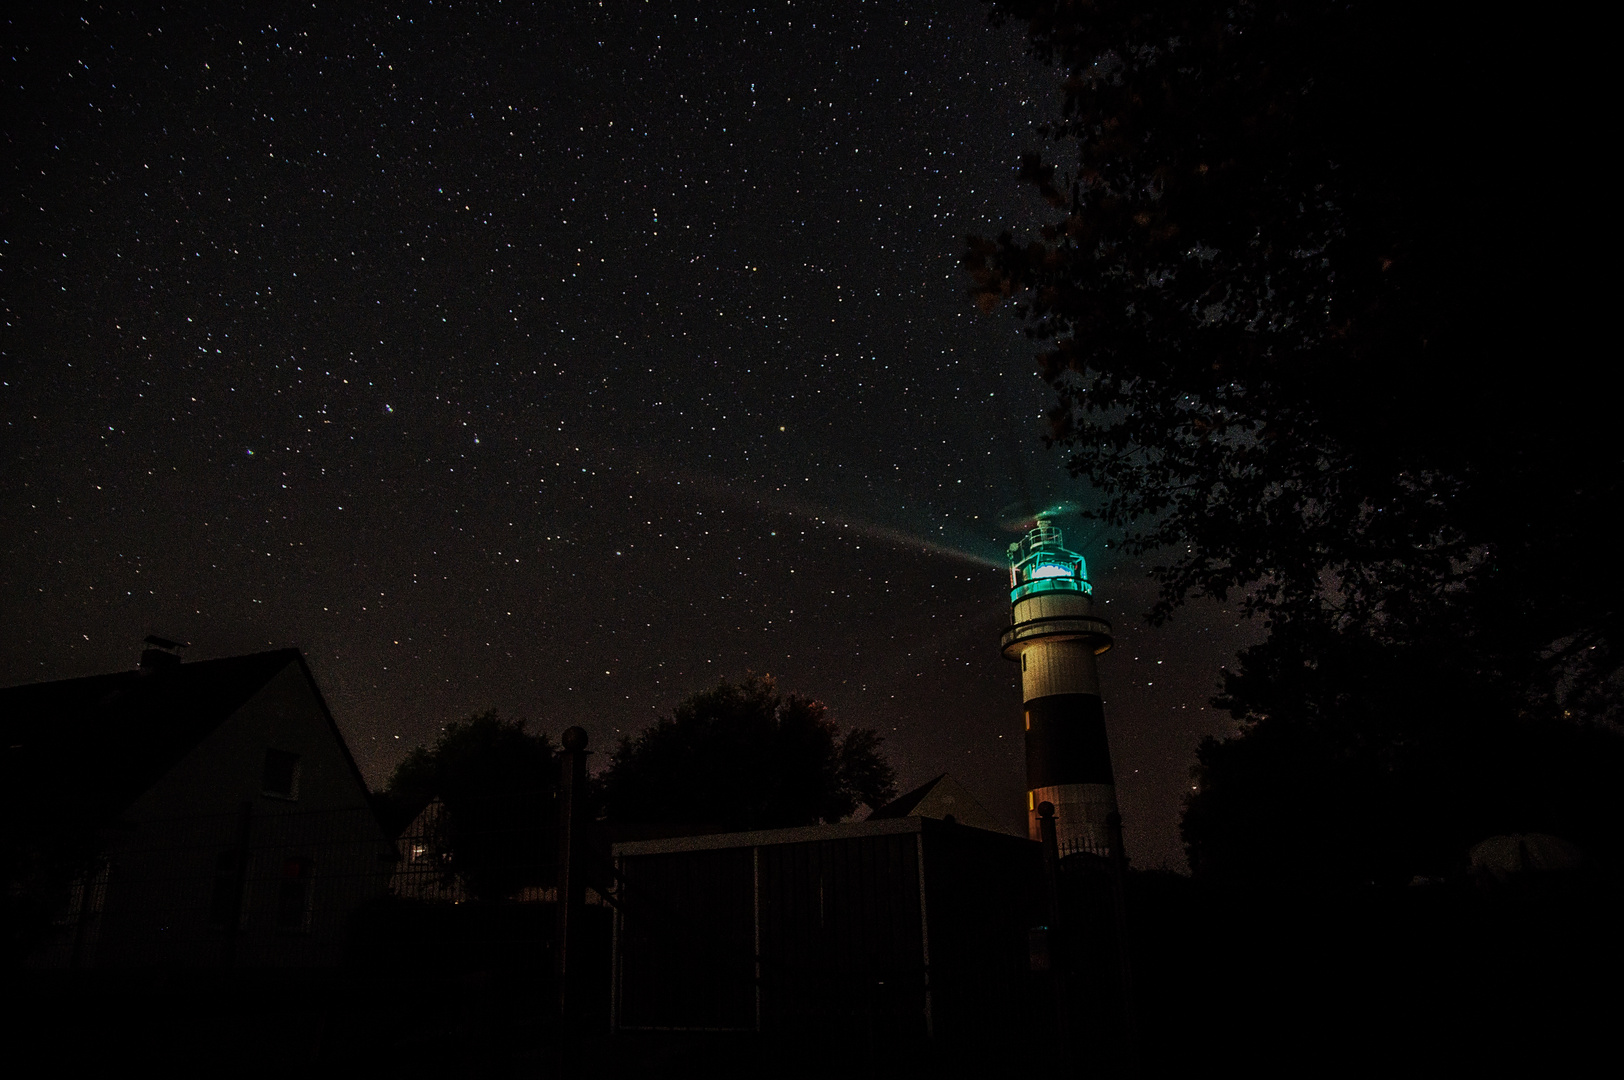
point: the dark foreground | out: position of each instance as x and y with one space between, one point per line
1439 977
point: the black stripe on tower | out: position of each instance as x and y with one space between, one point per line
1065 741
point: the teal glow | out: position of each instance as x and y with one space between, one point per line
1040 563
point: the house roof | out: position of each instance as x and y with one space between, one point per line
98 743
943 798
904 804
846 830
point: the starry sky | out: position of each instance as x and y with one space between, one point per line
560 359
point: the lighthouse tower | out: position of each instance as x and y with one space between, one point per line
1054 635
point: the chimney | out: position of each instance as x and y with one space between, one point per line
161 654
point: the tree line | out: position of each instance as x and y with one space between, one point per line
738 756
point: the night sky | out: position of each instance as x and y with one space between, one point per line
563 362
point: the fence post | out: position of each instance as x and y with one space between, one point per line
1060 952
1119 872
571 881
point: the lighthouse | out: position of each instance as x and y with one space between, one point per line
1054 635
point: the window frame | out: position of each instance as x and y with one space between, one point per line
294 770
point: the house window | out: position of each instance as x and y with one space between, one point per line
281 775
85 895
294 902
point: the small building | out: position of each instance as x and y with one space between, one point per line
186 816
902 927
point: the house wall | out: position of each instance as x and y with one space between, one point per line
312 860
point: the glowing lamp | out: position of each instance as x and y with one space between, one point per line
1041 563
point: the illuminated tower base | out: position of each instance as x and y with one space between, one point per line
1055 637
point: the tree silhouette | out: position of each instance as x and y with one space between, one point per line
1301 339
499 785
1363 761
743 755
1318 358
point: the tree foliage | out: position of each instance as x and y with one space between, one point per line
743 755
499 785
1375 762
1314 304
1305 338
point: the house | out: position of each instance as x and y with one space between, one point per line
186 815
